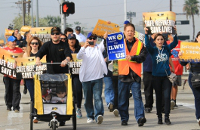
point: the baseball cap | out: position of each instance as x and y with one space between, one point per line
89 35
55 29
12 39
78 28
71 36
126 22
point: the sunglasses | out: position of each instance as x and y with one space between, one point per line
62 38
55 33
92 38
36 43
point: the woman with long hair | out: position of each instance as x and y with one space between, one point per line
33 46
160 72
194 69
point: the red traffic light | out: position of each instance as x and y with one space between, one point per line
68 8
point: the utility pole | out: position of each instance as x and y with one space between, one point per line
170 5
23 8
125 18
37 14
29 6
23 13
32 13
63 17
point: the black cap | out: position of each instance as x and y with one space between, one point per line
55 29
71 36
78 28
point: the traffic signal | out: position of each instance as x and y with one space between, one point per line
68 8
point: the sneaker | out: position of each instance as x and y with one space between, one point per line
78 113
198 121
110 107
35 120
116 112
90 120
16 111
99 119
130 95
175 106
141 121
148 110
25 90
172 105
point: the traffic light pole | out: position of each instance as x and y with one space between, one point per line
63 17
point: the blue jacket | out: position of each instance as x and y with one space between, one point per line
160 58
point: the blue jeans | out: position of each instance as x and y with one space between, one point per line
30 86
91 88
108 90
123 100
196 93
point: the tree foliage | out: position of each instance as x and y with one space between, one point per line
191 7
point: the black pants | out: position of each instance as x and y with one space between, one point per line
162 86
12 93
77 90
148 89
115 86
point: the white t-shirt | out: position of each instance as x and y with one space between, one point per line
93 65
80 37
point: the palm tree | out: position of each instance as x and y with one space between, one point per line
191 8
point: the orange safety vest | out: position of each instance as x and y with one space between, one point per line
123 64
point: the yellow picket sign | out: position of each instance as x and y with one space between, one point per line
190 52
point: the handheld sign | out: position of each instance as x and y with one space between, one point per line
103 26
8 62
159 22
115 46
75 65
190 52
26 67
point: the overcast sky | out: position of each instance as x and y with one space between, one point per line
88 12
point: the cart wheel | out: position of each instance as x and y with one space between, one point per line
53 125
31 116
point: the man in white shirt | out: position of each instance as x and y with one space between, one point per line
79 36
91 75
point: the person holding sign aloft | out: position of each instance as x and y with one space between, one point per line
194 71
130 77
160 72
91 75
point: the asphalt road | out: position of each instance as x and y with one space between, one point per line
182 118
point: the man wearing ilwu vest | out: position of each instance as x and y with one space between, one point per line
130 77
